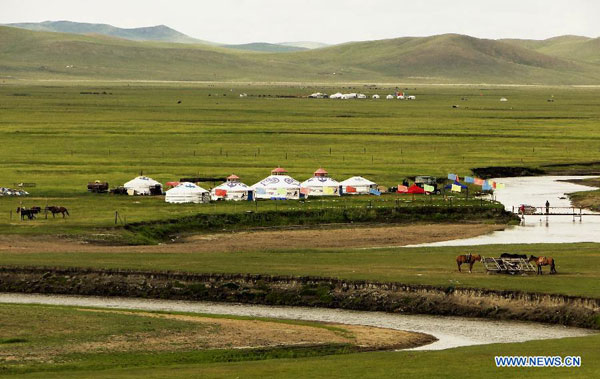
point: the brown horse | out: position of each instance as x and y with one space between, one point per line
543 261
29 213
54 210
467 258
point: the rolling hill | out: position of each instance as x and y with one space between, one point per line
580 48
151 33
449 58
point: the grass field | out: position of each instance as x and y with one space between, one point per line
54 341
57 137
576 264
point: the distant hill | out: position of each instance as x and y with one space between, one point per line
448 58
151 33
305 44
570 47
264 47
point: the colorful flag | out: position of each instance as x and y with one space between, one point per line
221 192
402 189
469 179
479 182
428 188
456 188
493 184
350 189
500 186
452 177
486 186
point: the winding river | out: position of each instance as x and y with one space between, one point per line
450 331
535 190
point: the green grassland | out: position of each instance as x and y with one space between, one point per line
59 138
576 264
45 339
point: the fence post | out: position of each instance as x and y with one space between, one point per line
116 216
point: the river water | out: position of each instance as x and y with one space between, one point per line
535 190
450 331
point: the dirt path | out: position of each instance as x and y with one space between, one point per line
349 237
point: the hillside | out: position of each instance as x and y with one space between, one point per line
579 48
152 33
440 59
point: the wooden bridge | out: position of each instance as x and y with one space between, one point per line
552 211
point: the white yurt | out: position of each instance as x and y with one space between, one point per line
389 97
277 186
376 96
232 189
347 96
337 95
357 185
320 185
187 193
143 185
361 96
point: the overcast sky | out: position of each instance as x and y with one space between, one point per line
330 21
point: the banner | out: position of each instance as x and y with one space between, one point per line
402 189
221 192
429 188
487 186
281 191
260 191
373 191
305 191
456 188
350 189
328 190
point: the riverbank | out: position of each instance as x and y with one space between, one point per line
586 199
308 291
323 236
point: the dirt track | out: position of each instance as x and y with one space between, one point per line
352 237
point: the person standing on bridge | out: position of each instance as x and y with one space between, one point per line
547 207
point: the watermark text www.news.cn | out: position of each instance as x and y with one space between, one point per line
537 361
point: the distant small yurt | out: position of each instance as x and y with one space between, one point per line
361 96
321 185
358 185
277 186
187 193
347 96
337 95
389 97
503 99
376 96
143 185
232 189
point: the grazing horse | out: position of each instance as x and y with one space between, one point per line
543 261
54 210
29 213
467 258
